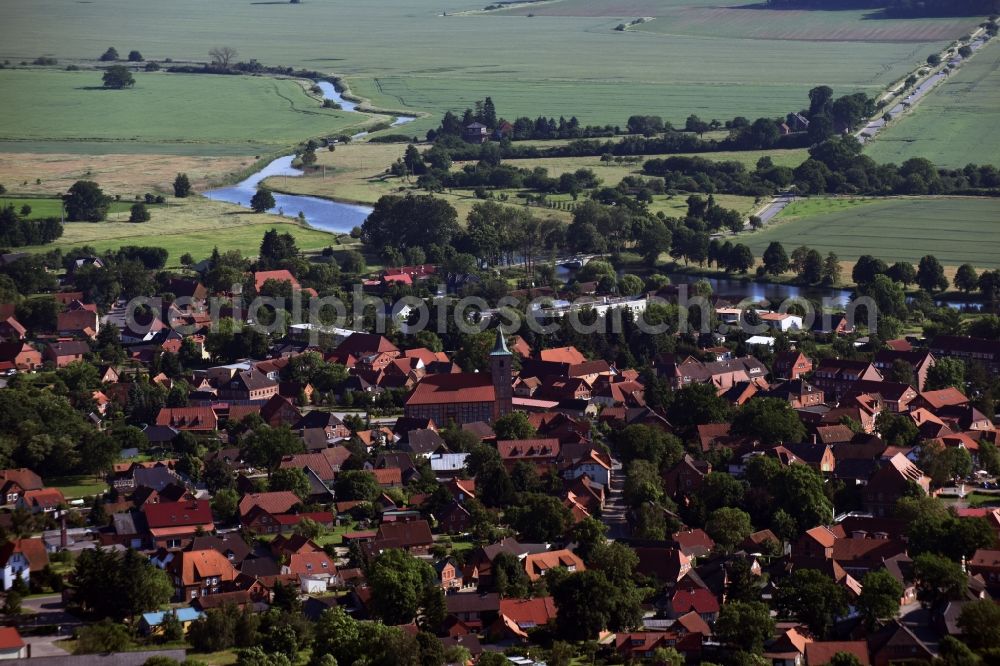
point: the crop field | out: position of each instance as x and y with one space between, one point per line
954 229
752 21
194 225
128 175
248 114
433 57
956 124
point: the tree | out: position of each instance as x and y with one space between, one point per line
539 518
744 625
225 503
831 269
812 267
844 659
642 442
86 202
902 272
262 200
110 55
728 527
643 483
866 268
938 579
266 446
930 274
182 186
880 595
291 478
357 485
509 577
118 77
589 603
171 629
966 278
946 373
138 213
943 463
276 248
775 259
399 584
134 56
980 624
588 534
119 586
812 597
101 638
514 426
771 420
222 56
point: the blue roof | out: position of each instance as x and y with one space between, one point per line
186 614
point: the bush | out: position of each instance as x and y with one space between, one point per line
104 636
139 213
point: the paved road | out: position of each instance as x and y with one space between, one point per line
613 514
872 129
49 610
777 205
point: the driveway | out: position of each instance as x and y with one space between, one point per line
613 515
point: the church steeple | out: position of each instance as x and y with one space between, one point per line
501 369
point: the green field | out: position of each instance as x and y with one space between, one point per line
404 53
193 225
954 229
53 207
956 124
199 112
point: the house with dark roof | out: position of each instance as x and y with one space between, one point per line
15 482
790 365
973 350
175 524
412 536
893 480
249 384
65 352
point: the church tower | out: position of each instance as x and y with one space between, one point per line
501 361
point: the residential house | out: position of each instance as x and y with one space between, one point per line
519 616
175 524
43 500
972 350
411 536
476 133
539 453
475 610
190 419
819 653
12 646
249 384
65 352
838 376
919 362
11 330
790 365
151 624
19 559
449 574
198 573
537 565
15 482
891 482
18 355
274 503
895 643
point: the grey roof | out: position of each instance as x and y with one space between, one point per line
111 659
156 478
500 345
124 523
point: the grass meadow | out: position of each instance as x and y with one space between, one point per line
48 207
956 124
194 226
202 113
435 57
954 229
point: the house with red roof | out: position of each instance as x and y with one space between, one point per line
819 653
519 616
698 600
276 502
12 330
15 482
43 500
12 646
536 565
81 320
190 419
200 573
540 453
175 524
19 559
18 355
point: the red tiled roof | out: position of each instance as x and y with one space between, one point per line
274 503
10 639
260 277
529 612
699 600
178 514
453 388
821 652
570 355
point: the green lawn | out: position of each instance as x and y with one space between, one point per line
74 487
954 229
52 207
335 536
956 124
205 112
977 499
194 226
433 57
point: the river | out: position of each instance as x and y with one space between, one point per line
323 214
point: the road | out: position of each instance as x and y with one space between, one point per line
778 204
613 515
47 610
872 129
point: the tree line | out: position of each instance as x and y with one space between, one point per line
901 8
16 230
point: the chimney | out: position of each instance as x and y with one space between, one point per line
815 441
63 537
859 534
